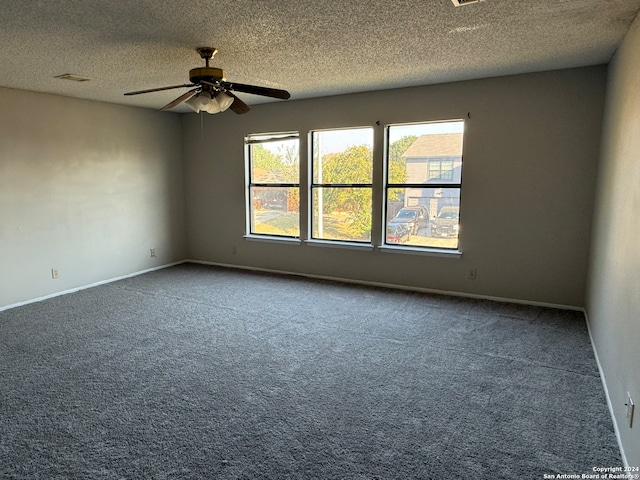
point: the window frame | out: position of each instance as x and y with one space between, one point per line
387 186
314 186
250 184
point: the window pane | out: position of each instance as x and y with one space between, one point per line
275 162
274 211
425 153
343 156
346 214
426 217
273 195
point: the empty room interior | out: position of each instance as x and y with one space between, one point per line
209 262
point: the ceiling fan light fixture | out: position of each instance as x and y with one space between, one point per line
224 101
203 102
206 102
194 103
211 106
461 3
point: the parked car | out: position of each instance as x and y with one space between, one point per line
274 199
446 223
413 217
398 233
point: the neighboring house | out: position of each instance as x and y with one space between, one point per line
434 159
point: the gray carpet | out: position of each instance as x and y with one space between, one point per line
197 372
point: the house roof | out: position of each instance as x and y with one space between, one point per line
435 145
264 176
311 49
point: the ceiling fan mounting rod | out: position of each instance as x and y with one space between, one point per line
207 53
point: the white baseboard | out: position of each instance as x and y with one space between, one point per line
393 286
84 287
307 275
606 392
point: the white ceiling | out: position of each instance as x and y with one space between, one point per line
310 48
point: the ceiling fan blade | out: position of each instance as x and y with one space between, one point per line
159 89
238 106
255 90
180 99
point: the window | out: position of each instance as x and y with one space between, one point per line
420 193
273 184
423 182
441 169
341 187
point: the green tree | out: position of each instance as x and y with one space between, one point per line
289 154
263 159
398 165
352 166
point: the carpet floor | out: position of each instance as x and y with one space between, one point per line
198 372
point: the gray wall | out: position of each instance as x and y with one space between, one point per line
530 160
86 188
613 302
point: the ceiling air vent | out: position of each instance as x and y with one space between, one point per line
73 77
460 3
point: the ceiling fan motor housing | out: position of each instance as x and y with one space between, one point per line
208 74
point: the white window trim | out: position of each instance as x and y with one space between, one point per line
415 250
412 249
256 237
311 185
373 245
260 138
315 242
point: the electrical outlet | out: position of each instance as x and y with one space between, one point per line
471 275
630 408
153 252
54 273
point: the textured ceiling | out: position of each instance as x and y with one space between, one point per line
311 48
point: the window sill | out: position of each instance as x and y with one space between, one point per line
429 252
403 250
273 239
339 244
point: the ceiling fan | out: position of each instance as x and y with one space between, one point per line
212 92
